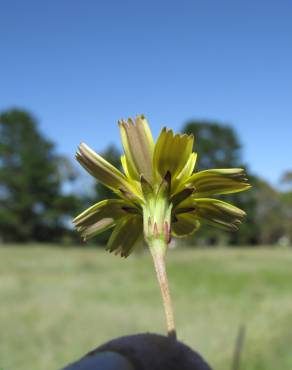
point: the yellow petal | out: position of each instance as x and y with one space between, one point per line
184 225
218 181
171 152
136 185
125 236
102 170
126 167
186 172
138 146
100 217
182 196
218 213
189 167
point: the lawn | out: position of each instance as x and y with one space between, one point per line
58 303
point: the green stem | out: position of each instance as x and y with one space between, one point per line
158 249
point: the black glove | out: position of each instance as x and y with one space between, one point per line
141 352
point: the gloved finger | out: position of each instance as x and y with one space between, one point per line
102 361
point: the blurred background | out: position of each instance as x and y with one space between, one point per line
69 70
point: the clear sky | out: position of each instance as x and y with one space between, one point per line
81 65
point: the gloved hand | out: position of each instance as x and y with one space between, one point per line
141 352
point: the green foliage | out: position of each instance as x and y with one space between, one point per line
273 213
32 206
217 145
287 178
249 229
286 202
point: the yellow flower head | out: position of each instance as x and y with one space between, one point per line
160 195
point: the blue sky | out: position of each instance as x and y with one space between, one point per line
81 65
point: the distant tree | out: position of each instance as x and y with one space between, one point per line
217 144
32 206
219 147
286 202
287 178
269 213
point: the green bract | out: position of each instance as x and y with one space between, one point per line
159 194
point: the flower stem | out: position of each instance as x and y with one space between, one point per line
158 249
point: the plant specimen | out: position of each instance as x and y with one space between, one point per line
159 196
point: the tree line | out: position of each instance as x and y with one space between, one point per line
39 187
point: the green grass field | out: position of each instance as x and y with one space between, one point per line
57 304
